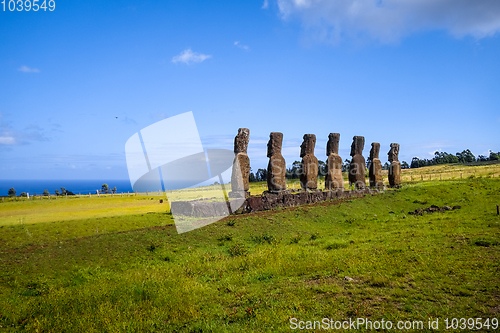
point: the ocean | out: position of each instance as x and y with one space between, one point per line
76 186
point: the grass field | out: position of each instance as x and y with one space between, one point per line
118 265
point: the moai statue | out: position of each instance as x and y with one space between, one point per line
276 168
309 164
395 167
333 179
357 166
241 165
375 170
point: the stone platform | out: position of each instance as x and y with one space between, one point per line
267 201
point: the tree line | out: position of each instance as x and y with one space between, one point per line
465 156
105 189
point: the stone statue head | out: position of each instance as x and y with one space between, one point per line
374 151
274 144
241 140
332 146
307 146
394 152
358 143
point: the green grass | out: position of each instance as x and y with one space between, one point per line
254 272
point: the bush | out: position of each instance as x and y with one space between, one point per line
270 239
12 192
237 250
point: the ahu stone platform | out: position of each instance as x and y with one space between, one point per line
267 201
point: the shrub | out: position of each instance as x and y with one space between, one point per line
237 250
270 239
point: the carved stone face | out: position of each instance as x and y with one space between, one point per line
241 140
393 154
274 144
307 146
374 151
332 146
358 143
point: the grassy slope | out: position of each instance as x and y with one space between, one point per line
75 208
253 273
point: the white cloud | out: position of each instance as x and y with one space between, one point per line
26 69
188 56
241 46
390 20
265 5
7 140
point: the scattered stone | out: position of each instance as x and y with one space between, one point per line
333 178
375 168
357 166
482 243
395 167
456 207
432 209
241 165
391 212
309 164
276 168
347 278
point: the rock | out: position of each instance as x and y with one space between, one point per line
309 164
357 166
456 207
347 278
276 168
272 200
301 198
241 165
289 200
254 204
375 168
181 208
333 177
391 212
446 208
316 196
395 167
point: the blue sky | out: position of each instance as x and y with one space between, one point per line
422 73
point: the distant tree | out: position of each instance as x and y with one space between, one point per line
251 177
12 192
386 166
294 171
466 156
104 188
482 158
444 158
57 193
346 165
114 188
321 168
494 156
63 191
404 165
23 194
46 193
261 175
